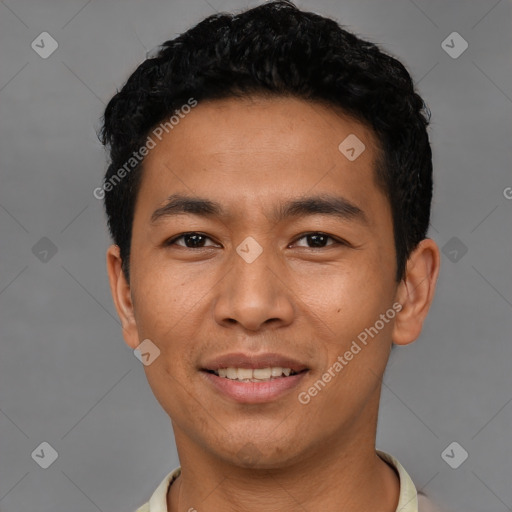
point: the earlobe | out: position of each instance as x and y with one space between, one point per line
121 295
416 291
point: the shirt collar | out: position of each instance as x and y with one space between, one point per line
408 501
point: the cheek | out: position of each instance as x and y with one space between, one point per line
162 295
344 295
167 304
345 304
355 345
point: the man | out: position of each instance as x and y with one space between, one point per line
269 197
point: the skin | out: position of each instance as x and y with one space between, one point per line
304 301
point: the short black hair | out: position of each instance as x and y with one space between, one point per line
276 49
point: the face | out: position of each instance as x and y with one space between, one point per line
288 254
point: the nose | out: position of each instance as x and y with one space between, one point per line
254 294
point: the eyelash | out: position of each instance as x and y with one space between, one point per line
337 241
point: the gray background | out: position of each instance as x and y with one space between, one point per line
66 375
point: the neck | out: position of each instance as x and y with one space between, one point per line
342 473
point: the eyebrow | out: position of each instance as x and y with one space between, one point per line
325 204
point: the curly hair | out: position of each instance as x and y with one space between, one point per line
277 49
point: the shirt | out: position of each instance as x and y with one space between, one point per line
409 501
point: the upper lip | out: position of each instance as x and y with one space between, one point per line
254 361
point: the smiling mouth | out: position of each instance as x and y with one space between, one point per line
256 374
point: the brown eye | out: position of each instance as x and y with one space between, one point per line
191 240
318 240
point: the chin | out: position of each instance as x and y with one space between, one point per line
264 453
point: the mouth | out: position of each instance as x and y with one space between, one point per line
253 378
255 374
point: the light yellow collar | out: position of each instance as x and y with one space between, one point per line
408 501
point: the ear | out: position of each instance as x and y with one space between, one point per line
121 294
416 291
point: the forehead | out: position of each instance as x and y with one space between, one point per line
255 149
239 125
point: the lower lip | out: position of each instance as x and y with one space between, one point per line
254 392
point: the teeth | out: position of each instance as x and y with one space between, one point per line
250 375
244 373
262 373
277 372
230 373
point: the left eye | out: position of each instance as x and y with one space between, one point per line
195 239
318 240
